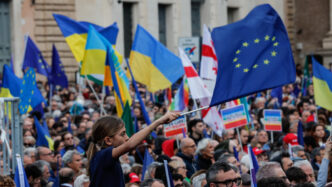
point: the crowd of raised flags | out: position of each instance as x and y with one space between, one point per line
240 63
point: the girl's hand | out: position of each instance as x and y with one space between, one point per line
168 117
328 147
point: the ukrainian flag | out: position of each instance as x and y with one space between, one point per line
43 136
75 34
322 79
152 63
94 56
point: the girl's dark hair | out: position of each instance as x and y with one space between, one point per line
103 127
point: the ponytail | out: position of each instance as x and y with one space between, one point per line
104 126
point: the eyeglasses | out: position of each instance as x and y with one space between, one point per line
28 144
229 183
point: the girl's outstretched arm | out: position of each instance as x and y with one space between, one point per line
140 136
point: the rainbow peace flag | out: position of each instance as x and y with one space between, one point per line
181 98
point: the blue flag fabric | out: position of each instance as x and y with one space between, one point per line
43 136
277 93
146 162
300 139
168 175
27 90
253 167
58 75
70 130
141 103
33 58
249 53
17 177
12 65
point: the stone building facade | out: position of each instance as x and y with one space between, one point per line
308 23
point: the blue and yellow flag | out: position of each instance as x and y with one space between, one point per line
76 32
43 136
95 55
152 63
322 80
33 58
254 54
27 90
11 87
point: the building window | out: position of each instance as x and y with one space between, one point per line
4 33
232 14
195 18
127 27
162 23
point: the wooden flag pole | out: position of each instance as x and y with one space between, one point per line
198 109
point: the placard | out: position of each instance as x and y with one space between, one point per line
175 127
191 46
272 120
234 117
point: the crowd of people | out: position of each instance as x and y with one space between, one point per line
98 152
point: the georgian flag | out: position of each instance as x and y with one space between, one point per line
198 90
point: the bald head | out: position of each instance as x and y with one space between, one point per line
188 146
66 175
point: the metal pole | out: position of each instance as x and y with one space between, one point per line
238 135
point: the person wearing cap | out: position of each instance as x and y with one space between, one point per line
133 178
291 139
260 154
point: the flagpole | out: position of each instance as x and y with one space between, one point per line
102 99
94 92
198 109
50 101
195 104
238 135
271 136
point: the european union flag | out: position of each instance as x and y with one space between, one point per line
27 90
34 59
254 54
58 75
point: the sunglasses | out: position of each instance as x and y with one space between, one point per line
229 182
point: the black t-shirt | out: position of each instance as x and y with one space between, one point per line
106 170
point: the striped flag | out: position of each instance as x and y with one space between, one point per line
209 62
199 91
253 166
181 98
197 87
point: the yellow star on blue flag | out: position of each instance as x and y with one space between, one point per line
26 93
254 55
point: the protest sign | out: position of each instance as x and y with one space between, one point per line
272 120
175 127
234 117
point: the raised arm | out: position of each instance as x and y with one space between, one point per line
140 136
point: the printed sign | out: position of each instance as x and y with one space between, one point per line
175 127
234 117
191 46
272 120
